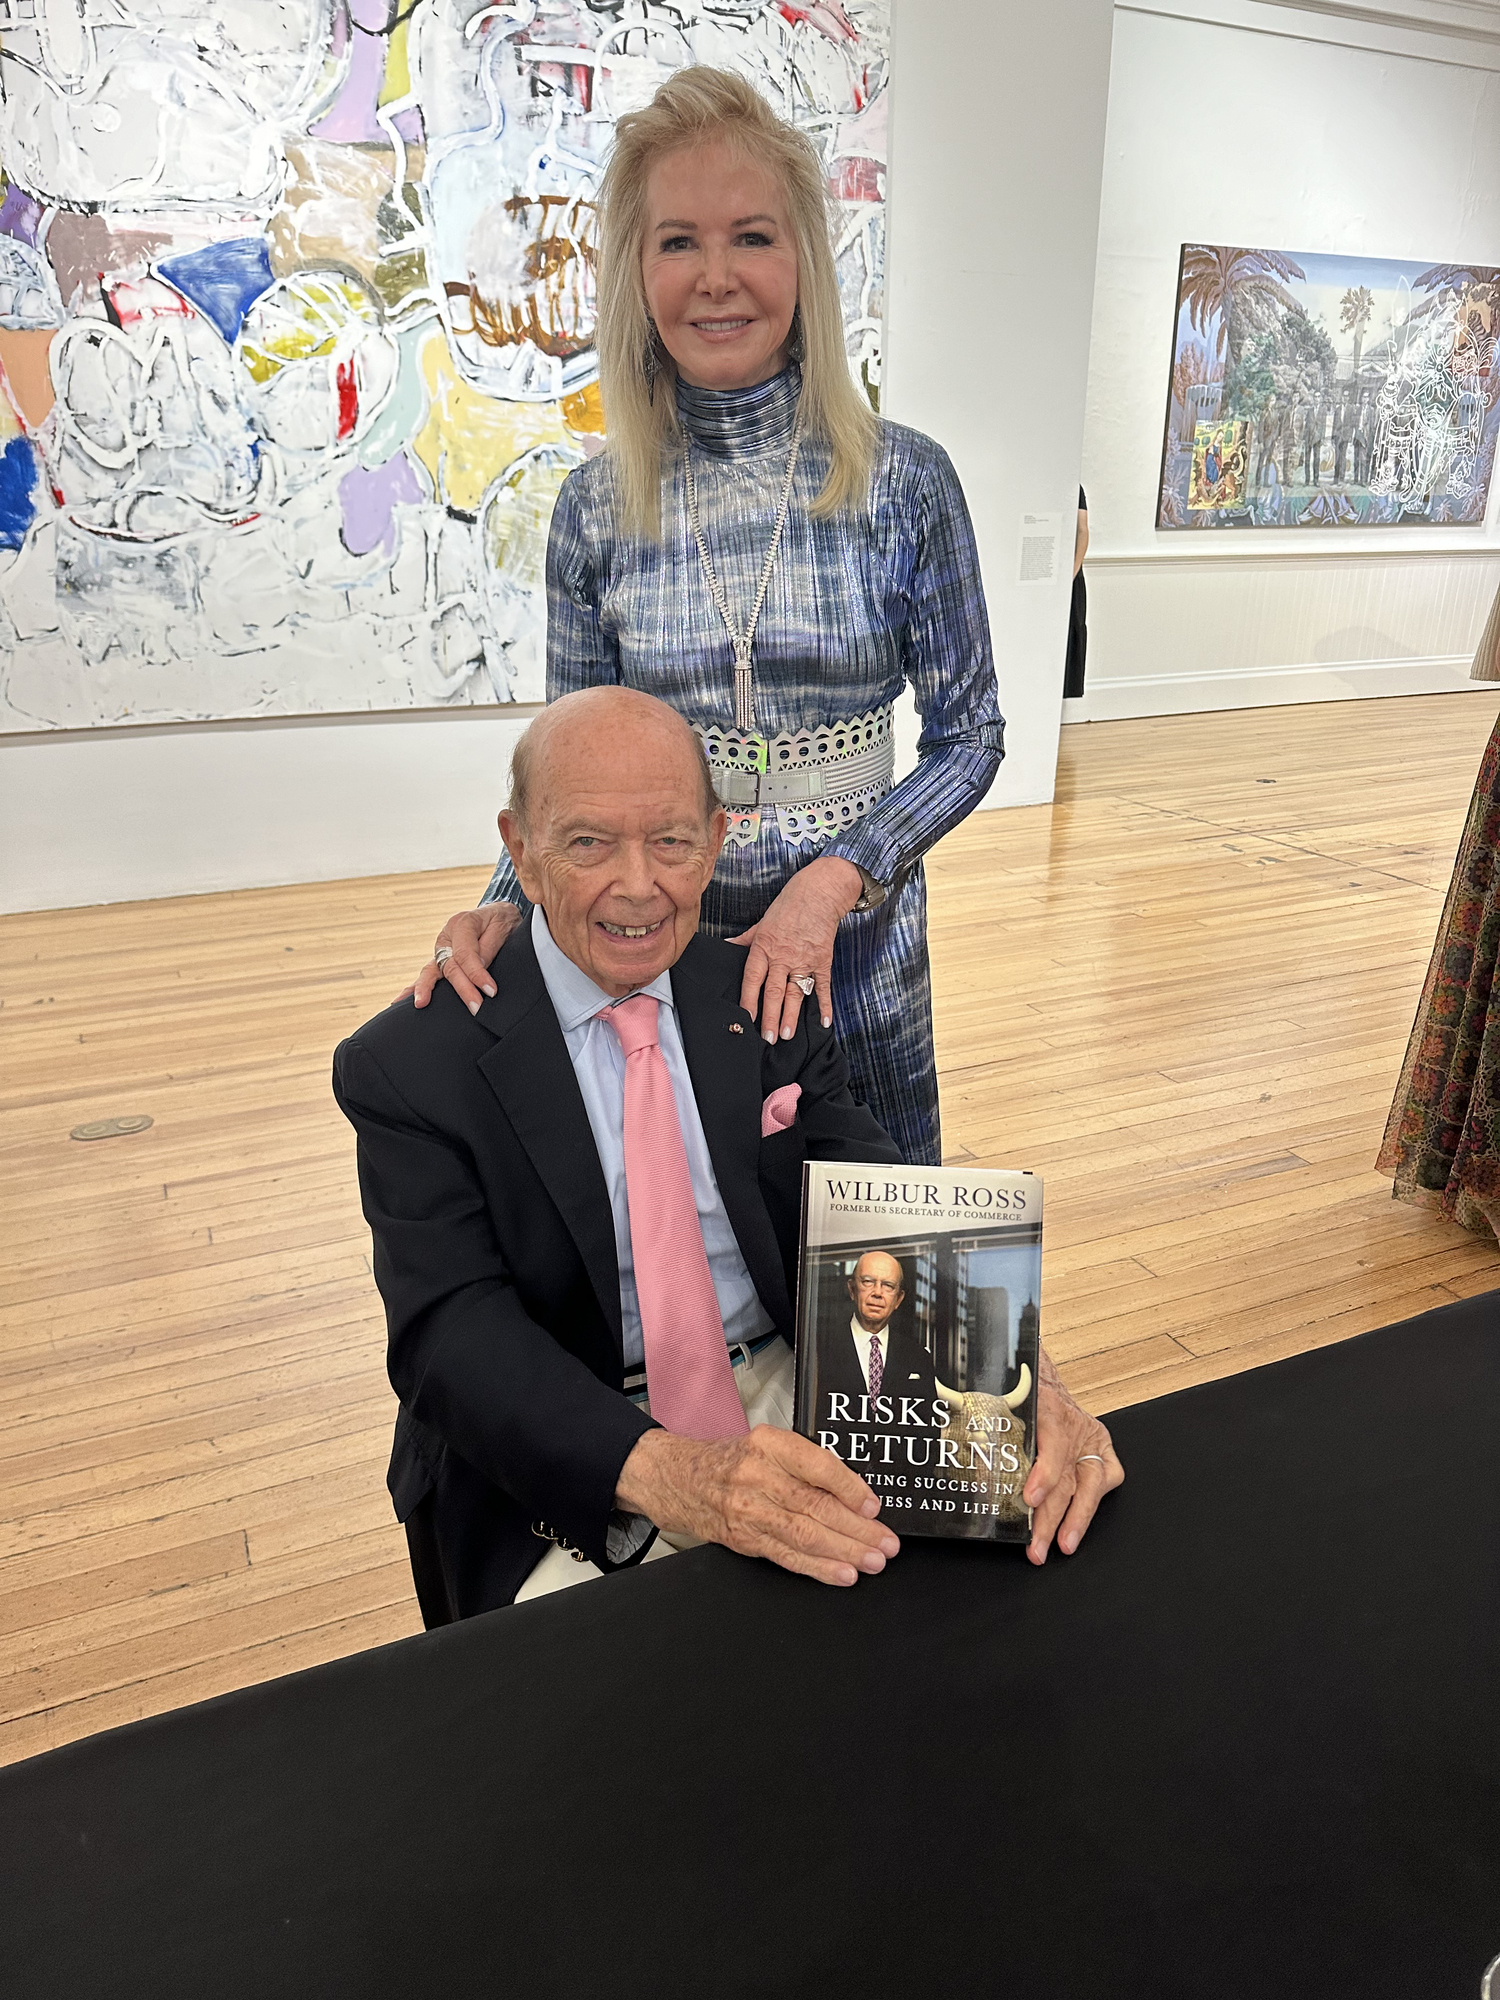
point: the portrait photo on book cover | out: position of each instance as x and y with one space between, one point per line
918 1354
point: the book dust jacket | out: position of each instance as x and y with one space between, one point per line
918 1339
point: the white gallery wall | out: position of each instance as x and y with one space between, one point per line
994 221
998 111
1367 129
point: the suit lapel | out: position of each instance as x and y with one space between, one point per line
531 1073
726 1072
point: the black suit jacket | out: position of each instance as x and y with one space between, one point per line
495 1249
908 1372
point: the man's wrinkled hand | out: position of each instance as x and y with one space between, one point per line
771 1494
473 936
1062 1491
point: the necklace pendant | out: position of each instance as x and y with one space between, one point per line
744 694
742 641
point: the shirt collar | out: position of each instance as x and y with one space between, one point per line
863 1333
574 996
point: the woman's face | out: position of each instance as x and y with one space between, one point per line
720 266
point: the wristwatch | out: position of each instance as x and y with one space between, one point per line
873 894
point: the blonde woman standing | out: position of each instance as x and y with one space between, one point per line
756 548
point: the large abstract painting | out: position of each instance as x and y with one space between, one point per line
296 328
1329 392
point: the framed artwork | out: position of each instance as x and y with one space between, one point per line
297 323
1310 391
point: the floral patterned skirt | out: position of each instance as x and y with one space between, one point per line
1442 1140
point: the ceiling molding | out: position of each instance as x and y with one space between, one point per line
1473 20
1461 33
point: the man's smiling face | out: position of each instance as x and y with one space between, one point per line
618 845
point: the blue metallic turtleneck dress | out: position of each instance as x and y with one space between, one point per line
857 607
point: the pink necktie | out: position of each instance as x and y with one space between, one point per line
688 1375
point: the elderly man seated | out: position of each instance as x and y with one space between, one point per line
584 1199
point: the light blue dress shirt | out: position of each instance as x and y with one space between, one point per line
599 1064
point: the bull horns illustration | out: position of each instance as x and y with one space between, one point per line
1017 1396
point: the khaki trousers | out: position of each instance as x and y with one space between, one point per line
766 1383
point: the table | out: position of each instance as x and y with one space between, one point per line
1247 1742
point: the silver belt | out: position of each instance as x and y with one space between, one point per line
750 770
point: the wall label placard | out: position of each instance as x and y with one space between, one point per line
1039 543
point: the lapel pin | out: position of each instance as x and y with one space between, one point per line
735 1028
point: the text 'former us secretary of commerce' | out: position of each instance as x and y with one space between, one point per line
584 1199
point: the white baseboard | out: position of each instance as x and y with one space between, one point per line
1271 687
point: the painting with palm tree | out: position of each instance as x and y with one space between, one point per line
1314 391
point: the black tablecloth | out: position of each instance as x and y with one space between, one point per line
1247 1742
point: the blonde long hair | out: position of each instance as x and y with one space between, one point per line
693 107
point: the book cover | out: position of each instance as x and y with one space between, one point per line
918 1339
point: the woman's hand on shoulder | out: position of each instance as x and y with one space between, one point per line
795 938
473 937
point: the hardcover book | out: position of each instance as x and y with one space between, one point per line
918 1339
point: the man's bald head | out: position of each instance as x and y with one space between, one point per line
614 830
618 725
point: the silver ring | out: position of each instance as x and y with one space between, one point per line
442 955
1089 1457
806 982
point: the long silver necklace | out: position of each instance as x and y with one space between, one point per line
742 641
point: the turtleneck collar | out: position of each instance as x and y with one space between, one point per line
734 423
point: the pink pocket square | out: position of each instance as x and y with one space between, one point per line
779 1111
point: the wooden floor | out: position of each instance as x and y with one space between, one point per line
1181 994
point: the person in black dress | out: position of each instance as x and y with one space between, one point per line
1078 627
